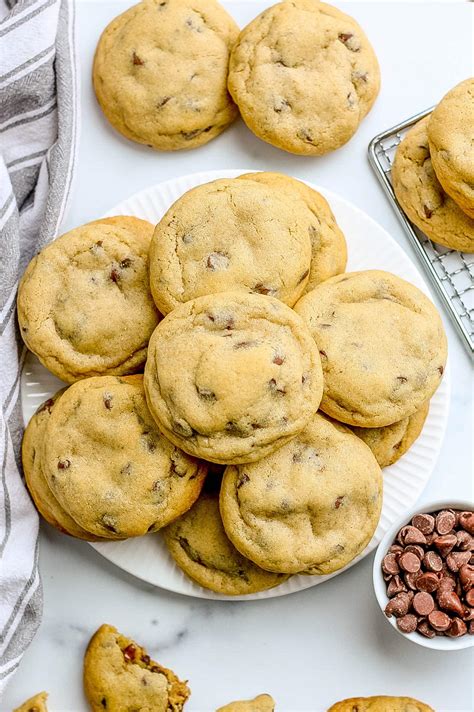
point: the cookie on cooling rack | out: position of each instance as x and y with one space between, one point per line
312 506
303 75
249 376
119 675
84 303
160 72
143 482
450 134
382 345
421 195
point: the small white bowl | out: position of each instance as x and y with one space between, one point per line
440 642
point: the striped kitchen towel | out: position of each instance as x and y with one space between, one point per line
38 127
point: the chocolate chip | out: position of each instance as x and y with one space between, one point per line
402 379
109 523
445 521
439 620
262 289
457 628
145 659
350 41
242 479
390 564
137 61
275 389
424 522
129 652
278 360
108 400
441 370
217 261
64 464
47 405
409 562
103 702
305 135
338 502
162 102
281 105
427 210
395 586
114 275
408 623
124 264
324 355
432 561
206 394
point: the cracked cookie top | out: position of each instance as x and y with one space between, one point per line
249 376
160 72
451 137
303 75
382 345
109 466
422 196
84 302
312 506
232 234
199 545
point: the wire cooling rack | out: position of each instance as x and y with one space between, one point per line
451 272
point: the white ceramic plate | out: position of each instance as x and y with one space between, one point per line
369 247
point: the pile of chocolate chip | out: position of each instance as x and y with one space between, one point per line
429 571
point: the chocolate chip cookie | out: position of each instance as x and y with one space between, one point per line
84 303
37 703
261 703
303 75
200 547
422 197
249 376
451 139
119 676
380 704
160 72
231 234
382 345
45 501
328 244
312 506
109 466
392 441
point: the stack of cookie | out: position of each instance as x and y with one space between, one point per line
298 379
303 74
433 171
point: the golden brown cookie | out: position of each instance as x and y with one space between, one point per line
200 547
109 466
304 75
422 197
451 139
37 703
380 704
160 72
392 441
382 345
231 234
119 676
312 506
84 303
261 703
249 376
45 501
328 244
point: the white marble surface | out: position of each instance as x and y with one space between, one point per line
329 642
